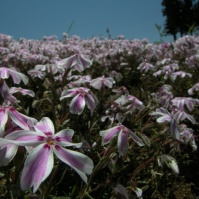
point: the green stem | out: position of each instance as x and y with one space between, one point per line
102 161
53 176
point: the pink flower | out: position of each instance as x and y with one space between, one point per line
187 136
12 120
180 115
129 102
17 77
40 161
99 82
165 116
7 96
8 112
122 142
194 88
79 62
82 96
50 68
36 73
181 74
145 67
180 102
79 80
22 91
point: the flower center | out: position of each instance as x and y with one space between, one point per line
50 140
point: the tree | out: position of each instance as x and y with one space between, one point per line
181 16
196 14
172 12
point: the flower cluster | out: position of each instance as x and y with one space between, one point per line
105 109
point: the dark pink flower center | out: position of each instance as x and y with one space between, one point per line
50 140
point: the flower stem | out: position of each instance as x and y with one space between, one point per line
53 176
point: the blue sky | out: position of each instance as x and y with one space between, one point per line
33 19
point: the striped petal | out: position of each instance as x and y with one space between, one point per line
3 120
46 126
69 93
122 143
17 77
64 138
91 101
81 163
24 138
21 120
109 82
135 138
164 118
108 134
77 104
37 167
96 83
7 154
22 91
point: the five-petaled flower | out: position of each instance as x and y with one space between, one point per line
81 96
40 161
12 120
99 82
21 120
77 62
22 91
17 77
122 142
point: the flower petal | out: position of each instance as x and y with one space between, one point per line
24 138
5 93
91 101
17 76
46 126
77 104
3 120
69 93
108 134
20 119
96 83
22 91
4 73
37 167
135 138
7 154
175 129
64 137
81 163
122 143
164 118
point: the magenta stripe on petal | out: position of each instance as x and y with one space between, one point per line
64 135
91 101
77 104
69 93
71 157
78 161
25 137
107 135
19 119
46 126
37 167
7 154
122 143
